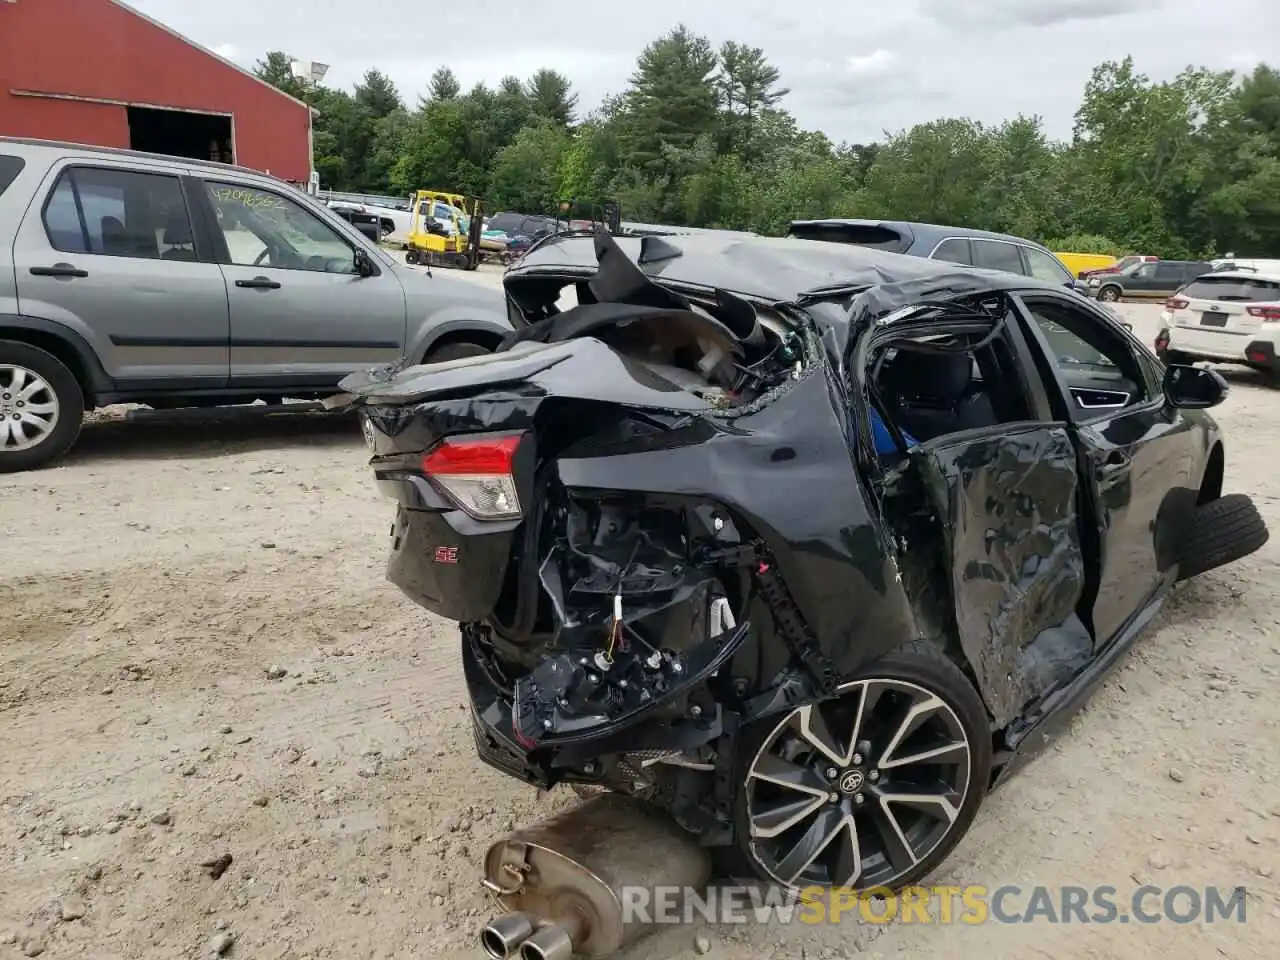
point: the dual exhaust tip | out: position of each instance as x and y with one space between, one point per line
522 936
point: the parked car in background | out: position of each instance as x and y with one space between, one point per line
1119 266
369 224
1231 316
976 248
138 278
1150 280
1231 262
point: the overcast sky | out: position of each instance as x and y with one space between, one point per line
855 69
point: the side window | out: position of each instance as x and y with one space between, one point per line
995 255
1172 272
62 219
954 250
265 229
10 167
1145 272
119 213
1096 362
1045 267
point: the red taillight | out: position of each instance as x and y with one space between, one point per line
478 474
472 455
1176 303
1265 313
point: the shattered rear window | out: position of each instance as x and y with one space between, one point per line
1239 289
863 234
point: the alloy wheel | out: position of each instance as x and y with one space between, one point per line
858 791
29 408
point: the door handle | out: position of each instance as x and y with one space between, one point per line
259 283
59 270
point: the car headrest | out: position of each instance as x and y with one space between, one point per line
177 230
928 376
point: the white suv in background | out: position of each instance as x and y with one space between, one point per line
1232 316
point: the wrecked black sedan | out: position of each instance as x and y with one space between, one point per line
809 545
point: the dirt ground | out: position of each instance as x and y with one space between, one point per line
221 730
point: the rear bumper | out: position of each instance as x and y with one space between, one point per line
1242 347
568 756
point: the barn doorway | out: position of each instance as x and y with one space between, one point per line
179 133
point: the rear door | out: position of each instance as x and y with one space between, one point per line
1168 279
301 314
108 250
997 255
953 250
1141 282
1004 483
1045 266
1135 454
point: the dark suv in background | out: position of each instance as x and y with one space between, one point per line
1156 280
976 248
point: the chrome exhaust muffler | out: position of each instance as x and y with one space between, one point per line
501 938
569 877
554 941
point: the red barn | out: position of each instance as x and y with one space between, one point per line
99 72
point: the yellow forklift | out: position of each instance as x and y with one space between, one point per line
445 230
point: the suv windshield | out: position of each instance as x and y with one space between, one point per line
1245 289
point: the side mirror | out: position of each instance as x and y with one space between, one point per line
1194 388
364 266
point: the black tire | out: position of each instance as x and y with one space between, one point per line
411 256
455 351
922 665
66 391
1109 292
1223 531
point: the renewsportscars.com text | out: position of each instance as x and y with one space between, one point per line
935 905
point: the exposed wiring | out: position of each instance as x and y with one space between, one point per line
615 625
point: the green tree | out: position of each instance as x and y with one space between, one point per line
377 95
699 137
673 98
748 87
276 69
444 85
551 97
526 172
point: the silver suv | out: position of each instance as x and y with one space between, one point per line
134 278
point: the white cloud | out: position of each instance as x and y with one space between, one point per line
1035 13
874 64
225 50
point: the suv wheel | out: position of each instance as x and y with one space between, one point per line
41 407
1110 293
872 788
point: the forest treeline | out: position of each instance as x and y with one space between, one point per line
701 137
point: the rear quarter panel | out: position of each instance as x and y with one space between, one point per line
14 201
444 306
788 473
